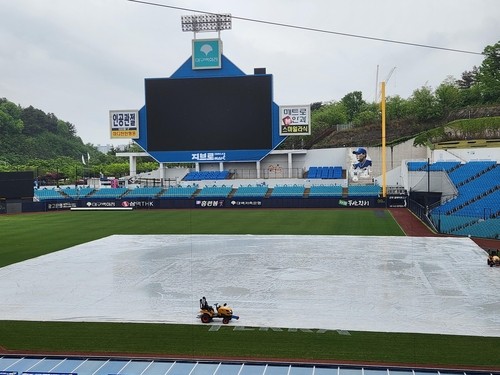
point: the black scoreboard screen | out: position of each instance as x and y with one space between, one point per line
209 114
16 185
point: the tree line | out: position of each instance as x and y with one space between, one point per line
478 87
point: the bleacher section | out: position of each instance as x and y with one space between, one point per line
77 193
179 192
414 166
477 185
113 193
215 192
47 194
251 191
364 190
324 172
144 192
288 191
446 166
477 202
325 191
206 175
481 228
469 170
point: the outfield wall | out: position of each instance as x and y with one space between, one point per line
222 203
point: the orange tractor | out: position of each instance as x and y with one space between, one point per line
208 313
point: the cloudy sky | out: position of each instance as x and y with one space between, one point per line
79 59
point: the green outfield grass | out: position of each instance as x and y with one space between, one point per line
29 235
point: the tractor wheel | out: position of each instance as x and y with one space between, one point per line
225 320
206 318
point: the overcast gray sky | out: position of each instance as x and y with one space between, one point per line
79 59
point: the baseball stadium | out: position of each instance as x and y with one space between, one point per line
238 257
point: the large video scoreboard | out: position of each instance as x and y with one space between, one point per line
209 116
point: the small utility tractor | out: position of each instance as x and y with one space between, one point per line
208 313
494 261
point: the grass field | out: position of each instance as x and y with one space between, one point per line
30 235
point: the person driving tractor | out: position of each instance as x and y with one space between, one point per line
204 304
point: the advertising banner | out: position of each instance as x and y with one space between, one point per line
207 54
124 123
295 120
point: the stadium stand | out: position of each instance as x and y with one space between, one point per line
113 193
144 192
325 191
179 192
476 207
419 166
446 166
364 190
215 191
48 194
480 228
19 365
251 191
76 193
476 186
288 191
414 166
468 170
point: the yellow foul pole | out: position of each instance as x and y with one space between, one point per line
382 108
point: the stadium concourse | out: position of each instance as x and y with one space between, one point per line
353 283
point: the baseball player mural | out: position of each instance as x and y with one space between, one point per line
361 165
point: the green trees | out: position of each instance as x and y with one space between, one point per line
10 121
478 87
424 104
488 75
448 96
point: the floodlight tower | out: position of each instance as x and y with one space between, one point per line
206 22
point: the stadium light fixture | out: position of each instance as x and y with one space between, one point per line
206 22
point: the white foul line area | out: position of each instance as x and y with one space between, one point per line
345 283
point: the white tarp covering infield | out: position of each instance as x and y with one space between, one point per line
390 284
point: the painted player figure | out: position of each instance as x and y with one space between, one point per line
363 162
362 167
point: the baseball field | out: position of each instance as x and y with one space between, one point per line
27 236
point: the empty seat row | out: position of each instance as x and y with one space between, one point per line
144 192
288 191
215 191
325 191
251 191
364 190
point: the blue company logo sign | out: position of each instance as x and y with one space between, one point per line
206 54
